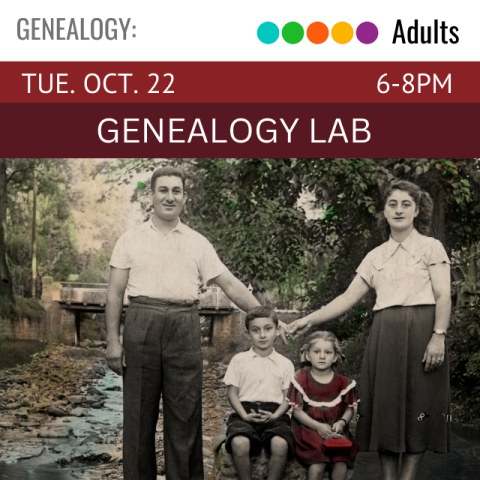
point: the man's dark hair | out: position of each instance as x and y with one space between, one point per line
261 312
168 172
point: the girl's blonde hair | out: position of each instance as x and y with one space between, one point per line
312 339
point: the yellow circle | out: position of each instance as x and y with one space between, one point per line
342 32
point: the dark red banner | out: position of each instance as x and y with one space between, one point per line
239 82
240 130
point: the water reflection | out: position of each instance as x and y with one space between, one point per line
28 470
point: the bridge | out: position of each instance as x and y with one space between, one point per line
65 302
92 297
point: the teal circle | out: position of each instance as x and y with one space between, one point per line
293 33
268 33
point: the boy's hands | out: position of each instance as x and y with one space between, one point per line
254 417
261 417
267 416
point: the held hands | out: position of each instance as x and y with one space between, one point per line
116 357
298 327
434 353
283 329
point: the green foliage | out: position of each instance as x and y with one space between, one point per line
98 269
248 210
464 341
57 253
30 308
464 337
91 327
7 308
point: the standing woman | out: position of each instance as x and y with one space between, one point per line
404 392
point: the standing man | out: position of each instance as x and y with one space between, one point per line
160 264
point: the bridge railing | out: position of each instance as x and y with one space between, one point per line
212 297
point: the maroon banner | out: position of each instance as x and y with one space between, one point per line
239 82
233 130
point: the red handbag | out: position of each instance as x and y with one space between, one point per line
337 446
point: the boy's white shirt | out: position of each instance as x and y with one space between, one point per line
260 379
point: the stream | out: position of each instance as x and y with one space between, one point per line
66 448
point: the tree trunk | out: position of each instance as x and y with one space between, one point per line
34 238
6 285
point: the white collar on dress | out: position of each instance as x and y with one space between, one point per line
412 245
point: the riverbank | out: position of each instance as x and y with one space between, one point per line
61 416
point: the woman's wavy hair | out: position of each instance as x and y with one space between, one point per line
422 199
312 339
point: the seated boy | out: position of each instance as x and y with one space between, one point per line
258 380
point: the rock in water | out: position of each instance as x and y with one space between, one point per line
55 411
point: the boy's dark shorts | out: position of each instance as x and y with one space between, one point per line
260 434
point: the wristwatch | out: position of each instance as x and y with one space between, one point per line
440 332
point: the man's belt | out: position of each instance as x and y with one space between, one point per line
162 302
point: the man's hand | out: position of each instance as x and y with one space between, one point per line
299 327
267 416
254 417
116 356
434 353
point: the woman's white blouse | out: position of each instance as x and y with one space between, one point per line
399 272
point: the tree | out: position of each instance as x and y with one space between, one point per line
6 285
37 202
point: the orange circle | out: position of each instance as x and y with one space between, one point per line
317 32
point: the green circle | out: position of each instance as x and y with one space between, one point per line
293 33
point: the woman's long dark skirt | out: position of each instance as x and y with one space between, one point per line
403 408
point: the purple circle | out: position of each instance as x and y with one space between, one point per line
367 32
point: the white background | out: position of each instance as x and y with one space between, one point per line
222 30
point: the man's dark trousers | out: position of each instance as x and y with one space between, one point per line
163 356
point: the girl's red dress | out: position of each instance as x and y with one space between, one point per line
325 403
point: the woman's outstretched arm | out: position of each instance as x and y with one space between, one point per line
337 307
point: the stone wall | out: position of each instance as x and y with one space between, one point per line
228 330
6 329
55 323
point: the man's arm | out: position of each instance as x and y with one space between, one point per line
236 291
113 314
